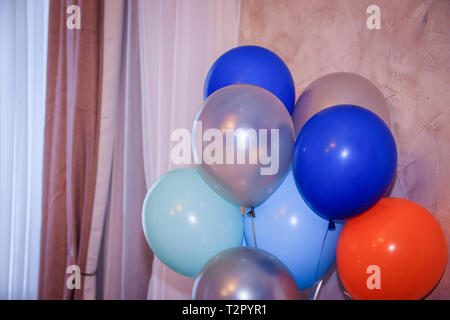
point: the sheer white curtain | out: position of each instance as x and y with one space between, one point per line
122 264
23 53
179 40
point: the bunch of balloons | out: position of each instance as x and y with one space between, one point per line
312 176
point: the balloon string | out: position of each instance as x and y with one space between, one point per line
251 213
331 226
316 294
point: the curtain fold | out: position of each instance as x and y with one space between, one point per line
111 86
127 262
73 106
158 54
23 35
179 41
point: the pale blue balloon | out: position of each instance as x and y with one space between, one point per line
287 227
186 223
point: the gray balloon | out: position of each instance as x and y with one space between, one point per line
244 273
339 88
243 139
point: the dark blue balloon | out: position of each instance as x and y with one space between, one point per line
344 161
252 65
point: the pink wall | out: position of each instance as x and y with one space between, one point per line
408 59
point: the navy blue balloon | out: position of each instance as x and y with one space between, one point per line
252 65
344 161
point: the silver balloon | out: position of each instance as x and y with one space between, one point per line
339 88
243 140
244 273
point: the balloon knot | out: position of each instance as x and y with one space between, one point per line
331 225
251 213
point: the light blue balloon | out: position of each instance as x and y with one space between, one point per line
287 227
186 223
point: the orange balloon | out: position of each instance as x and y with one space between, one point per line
395 250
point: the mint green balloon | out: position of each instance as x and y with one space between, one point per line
186 223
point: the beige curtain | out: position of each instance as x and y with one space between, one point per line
72 119
111 84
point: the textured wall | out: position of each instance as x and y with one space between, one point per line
408 59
